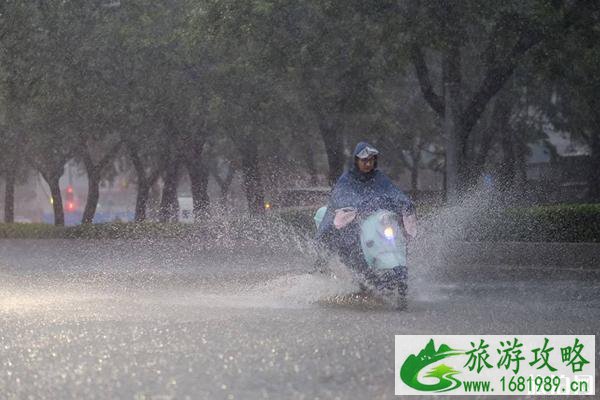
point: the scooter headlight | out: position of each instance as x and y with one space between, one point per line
388 233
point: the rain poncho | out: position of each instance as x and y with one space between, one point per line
366 192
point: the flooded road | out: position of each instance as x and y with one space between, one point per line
168 320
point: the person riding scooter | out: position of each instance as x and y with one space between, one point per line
362 190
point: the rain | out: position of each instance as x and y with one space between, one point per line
164 165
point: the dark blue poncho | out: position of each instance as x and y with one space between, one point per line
365 192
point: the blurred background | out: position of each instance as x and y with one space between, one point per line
174 110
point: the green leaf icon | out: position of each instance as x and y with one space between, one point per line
413 365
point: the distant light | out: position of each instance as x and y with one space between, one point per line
267 205
388 233
70 206
69 189
51 200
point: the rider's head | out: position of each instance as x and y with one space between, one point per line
365 157
366 165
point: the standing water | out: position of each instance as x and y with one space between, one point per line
193 319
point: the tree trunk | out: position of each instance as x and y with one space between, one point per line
445 182
225 185
593 177
93 196
455 144
452 157
192 148
9 195
309 159
498 126
169 206
507 170
521 149
252 181
199 185
333 148
477 167
94 173
141 199
144 183
594 172
57 205
414 179
415 155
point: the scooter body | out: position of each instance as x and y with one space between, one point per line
383 248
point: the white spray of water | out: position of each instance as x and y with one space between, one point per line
432 254
429 267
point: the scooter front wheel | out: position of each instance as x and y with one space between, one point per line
391 286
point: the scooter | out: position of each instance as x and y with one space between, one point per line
380 263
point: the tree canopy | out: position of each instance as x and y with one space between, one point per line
272 89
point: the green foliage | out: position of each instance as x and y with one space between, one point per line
557 223
241 229
31 231
560 223
282 80
97 231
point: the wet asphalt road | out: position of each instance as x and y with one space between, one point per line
168 320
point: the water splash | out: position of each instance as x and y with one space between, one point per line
214 266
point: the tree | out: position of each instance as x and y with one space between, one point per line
571 96
511 31
405 127
94 89
146 174
17 84
243 92
159 94
49 135
335 62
